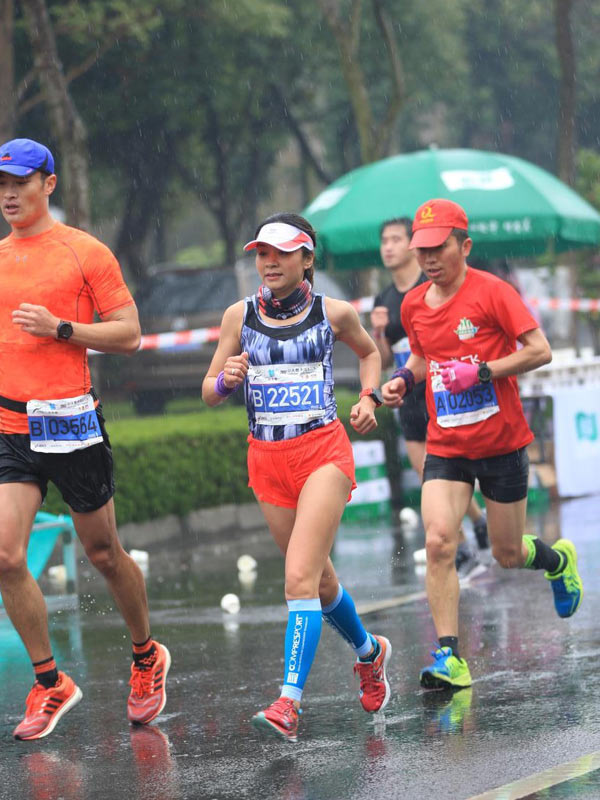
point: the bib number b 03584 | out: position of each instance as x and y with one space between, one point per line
62 426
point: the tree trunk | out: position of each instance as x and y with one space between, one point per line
67 125
7 70
565 150
347 37
374 137
565 145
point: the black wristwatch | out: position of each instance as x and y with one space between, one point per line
484 373
374 394
64 330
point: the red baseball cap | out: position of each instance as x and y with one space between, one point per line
434 222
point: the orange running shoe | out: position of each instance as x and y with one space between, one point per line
44 707
374 690
280 718
148 695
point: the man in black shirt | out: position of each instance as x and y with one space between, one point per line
392 343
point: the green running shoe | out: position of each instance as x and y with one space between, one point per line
446 671
567 585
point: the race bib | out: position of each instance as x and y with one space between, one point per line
401 351
287 394
62 426
464 408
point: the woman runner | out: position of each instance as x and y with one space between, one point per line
279 345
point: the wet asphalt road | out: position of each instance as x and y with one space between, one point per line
534 704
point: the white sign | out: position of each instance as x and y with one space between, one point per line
577 440
488 180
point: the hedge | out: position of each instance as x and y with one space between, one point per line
184 462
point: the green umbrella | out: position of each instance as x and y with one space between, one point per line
514 207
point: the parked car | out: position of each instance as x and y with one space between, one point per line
175 298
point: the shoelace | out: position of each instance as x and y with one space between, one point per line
285 706
370 675
141 681
37 697
438 653
570 582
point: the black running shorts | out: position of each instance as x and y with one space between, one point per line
413 415
83 477
501 478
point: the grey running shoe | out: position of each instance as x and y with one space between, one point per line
481 532
468 565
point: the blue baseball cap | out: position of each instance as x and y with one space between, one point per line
24 156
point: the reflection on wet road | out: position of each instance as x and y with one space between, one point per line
534 704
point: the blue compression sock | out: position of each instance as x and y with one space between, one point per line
341 615
301 641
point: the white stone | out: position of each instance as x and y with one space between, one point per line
409 517
230 603
246 563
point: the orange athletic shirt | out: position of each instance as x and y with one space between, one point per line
72 274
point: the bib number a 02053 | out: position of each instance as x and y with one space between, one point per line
286 394
62 426
463 408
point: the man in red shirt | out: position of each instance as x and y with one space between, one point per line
463 326
52 280
392 343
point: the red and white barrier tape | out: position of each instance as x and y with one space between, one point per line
200 336
586 304
559 304
162 341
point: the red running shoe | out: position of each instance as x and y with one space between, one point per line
44 707
148 695
280 718
374 690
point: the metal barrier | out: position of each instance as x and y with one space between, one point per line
564 371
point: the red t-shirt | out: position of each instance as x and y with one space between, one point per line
72 274
481 322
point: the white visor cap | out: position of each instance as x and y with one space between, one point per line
282 236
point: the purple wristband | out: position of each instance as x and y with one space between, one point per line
407 376
220 388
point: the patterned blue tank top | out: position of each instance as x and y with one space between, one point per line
289 389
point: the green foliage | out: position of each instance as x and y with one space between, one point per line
196 256
183 98
588 175
431 45
125 19
180 463
512 101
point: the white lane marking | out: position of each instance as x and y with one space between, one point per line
392 602
543 780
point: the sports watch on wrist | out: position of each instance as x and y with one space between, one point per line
64 330
484 373
374 394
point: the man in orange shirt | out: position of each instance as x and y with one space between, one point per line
52 280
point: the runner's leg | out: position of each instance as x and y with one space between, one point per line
506 525
97 531
443 505
23 599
